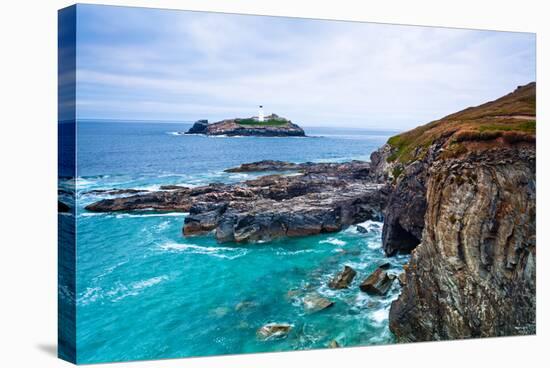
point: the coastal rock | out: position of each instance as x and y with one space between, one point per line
477 252
473 274
199 127
378 283
320 198
266 165
173 187
343 279
273 126
314 303
274 331
333 344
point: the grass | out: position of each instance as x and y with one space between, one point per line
269 122
485 123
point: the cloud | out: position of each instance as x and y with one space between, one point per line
142 64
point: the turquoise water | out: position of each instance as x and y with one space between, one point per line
145 292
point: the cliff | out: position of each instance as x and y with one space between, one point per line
463 201
272 126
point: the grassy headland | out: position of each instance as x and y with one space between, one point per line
509 119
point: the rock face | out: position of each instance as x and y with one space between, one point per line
273 126
473 275
318 198
343 279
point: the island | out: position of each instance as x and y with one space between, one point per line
270 126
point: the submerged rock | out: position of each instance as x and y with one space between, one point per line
314 303
245 305
378 283
343 279
274 331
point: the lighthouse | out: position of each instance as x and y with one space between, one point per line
261 114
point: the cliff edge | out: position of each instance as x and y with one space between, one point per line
463 202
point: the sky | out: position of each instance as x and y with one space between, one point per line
168 65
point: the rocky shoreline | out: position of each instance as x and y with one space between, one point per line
458 194
316 198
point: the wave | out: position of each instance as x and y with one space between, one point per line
333 241
119 292
174 133
220 252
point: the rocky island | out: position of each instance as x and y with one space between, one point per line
272 126
458 194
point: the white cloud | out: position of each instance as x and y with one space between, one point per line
182 66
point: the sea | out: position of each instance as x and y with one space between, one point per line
144 291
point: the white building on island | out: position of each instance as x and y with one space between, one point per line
261 113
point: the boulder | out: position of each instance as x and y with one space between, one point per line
343 279
378 283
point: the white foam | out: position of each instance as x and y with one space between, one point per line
166 214
220 252
148 283
380 315
333 241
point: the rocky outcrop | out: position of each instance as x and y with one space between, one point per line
273 126
199 127
473 275
318 198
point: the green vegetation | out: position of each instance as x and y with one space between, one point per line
507 119
268 122
396 172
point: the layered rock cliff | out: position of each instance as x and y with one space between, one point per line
464 199
272 126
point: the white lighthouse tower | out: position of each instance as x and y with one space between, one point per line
261 114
